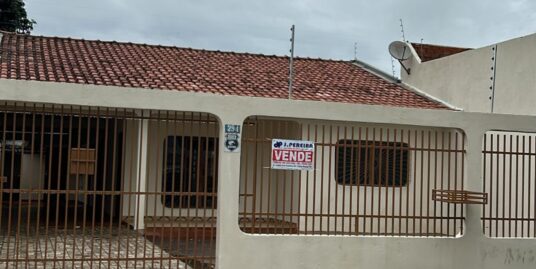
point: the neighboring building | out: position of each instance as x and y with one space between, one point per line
499 76
120 154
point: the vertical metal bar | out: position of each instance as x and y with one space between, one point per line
532 169
215 191
156 121
122 183
49 181
455 172
523 203
295 217
321 205
86 184
105 168
19 215
358 180
270 179
58 181
516 191
509 221
372 179
396 164
113 186
182 180
306 189
352 182
330 150
316 171
262 127
414 202
529 186
28 216
484 184
336 187
379 180
389 180
498 156
41 179
95 179
414 157
421 184
134 146
256 151
449 182
164 178
245 175
403 148
503 186
367 176
428 184
11 182
205 189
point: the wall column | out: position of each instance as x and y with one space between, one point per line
141 175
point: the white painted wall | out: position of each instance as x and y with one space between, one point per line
464 79
238 250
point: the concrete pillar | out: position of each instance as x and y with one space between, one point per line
141 175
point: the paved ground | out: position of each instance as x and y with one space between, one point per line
77 249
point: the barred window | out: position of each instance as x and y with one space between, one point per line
372 163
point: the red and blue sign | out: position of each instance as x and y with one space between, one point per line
292 154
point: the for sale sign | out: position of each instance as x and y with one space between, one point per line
292 154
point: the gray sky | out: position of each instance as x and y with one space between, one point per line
324 29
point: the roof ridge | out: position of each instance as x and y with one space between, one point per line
176 47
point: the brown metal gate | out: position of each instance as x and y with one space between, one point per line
92 187
509 170
376 180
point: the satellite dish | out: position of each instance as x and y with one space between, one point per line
399 50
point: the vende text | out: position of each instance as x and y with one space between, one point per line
292 156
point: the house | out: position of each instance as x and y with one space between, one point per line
130 155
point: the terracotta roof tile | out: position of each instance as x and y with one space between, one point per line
428 52
55 59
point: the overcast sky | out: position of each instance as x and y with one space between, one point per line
324 29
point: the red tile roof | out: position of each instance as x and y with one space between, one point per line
428 52
69 60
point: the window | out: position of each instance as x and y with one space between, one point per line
372 163
190 172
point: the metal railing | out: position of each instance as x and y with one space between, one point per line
367 180
106 187
509 167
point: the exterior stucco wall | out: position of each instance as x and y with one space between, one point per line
238 250
464 79
515 81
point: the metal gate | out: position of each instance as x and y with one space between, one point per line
368 180
92 187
